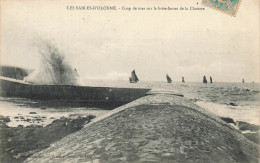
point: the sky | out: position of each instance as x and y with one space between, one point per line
108 45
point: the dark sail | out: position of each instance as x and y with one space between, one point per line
169 80
210 79
183 80
205 80
243 81
133 78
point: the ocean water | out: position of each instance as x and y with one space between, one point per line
215 97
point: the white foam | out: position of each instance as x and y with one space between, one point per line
19 114
248 114
53 69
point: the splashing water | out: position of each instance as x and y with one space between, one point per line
53 68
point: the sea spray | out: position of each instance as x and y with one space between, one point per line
237 113
53 68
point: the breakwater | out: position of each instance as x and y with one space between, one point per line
156 128
90 96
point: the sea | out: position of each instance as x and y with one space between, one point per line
239 101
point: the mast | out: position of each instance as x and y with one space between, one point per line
169 80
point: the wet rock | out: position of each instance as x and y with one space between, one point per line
232 104
79 122
247 126
228 120
20 126
4 119
3 125
22 142
32 113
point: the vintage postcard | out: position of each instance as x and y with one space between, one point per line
129 81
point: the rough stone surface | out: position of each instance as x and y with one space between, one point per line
155 128
253 136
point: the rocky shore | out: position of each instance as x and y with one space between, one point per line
250 131
155 128
18 143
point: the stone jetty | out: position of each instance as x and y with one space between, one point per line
154 128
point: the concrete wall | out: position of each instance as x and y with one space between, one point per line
90 95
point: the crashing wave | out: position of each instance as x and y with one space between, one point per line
53 69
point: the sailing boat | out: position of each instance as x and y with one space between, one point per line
183 80
210 78
243 81
133 78
205 80
169 80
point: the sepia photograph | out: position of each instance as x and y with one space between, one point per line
99 81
